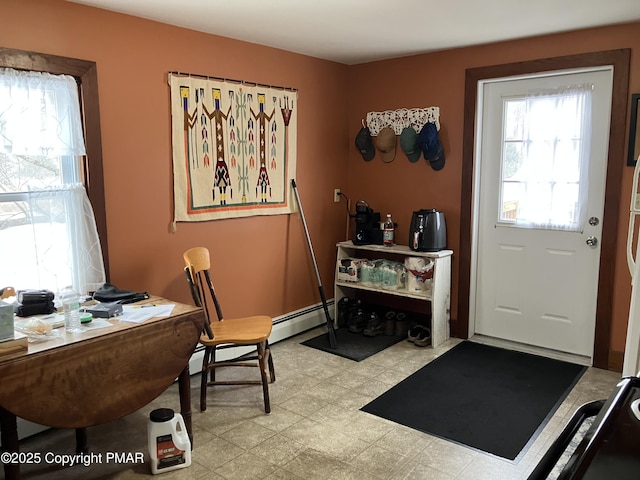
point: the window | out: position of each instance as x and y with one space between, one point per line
544 158
48 234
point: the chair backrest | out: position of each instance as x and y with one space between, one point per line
197 265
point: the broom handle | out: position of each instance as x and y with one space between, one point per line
306 231
332 334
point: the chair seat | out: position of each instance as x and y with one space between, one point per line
240 331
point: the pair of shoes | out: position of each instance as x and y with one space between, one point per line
375 326
413 333
390 323
419 336
349 315
402 324
424 338
344 310
357 320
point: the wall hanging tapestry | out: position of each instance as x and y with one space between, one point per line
234 148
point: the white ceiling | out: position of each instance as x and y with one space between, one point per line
358 31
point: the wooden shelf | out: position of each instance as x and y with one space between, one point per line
439 296
396 249
388 291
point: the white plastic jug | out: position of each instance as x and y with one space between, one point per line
169 445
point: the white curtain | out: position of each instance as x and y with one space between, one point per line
39 114
40 118
67 247
556 148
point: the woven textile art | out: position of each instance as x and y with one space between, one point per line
234 148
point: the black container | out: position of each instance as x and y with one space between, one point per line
428 231
367 225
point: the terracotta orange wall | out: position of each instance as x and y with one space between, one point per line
437 79
261 263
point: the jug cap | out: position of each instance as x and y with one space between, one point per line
161 415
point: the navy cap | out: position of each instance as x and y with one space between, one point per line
409 144
430 145
364 144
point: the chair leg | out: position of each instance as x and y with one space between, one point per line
82 444
203 380
262 361
212 359
272 372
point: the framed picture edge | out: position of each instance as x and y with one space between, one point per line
634 134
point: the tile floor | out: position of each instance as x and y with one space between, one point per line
315 429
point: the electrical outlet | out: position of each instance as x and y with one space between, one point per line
336 195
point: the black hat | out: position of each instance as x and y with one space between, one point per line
431 147
364 144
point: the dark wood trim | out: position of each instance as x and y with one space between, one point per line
86 74
634 124
620 60
616 360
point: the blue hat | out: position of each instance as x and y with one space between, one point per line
364 143
430 145
409 144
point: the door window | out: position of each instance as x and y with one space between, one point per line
545 149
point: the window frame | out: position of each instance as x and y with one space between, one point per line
86 75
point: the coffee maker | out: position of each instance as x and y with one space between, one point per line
367 225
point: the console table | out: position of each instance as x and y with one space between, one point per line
91 378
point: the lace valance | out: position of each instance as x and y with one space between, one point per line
404 117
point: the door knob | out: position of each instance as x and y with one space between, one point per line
592 241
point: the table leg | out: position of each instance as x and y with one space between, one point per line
82 444
9 440
184 387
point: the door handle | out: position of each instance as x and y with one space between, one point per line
592 241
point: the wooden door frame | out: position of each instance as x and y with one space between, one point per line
620 59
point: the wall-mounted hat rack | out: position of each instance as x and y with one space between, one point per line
401 118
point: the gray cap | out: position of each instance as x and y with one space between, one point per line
409 144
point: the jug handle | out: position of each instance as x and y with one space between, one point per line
179 421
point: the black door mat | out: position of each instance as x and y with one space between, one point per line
488 398
354 346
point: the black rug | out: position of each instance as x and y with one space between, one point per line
354 346
484 397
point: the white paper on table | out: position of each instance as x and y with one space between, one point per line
95 324
140 313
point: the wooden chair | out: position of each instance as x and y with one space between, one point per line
223 332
